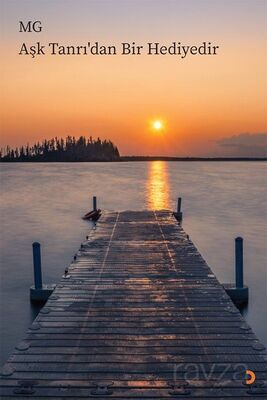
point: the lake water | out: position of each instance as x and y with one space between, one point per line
45 202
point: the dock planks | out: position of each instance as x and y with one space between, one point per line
142 316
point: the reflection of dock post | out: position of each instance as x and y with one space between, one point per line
94 203
178 214
39 292
238 292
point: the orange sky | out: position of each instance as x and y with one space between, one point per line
201 99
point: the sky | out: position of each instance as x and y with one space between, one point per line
207 105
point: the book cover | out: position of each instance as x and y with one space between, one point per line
133 214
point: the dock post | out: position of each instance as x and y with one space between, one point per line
239 262
94 203
238 292
37 267
39 293
179 204
178 214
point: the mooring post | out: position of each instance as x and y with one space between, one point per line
39 293
94 203
37 267
178 214
239 262
238 291
179 204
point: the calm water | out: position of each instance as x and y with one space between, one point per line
45 202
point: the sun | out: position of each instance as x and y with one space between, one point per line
157 125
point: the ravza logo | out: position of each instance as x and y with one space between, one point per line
217 372
251 377
31 26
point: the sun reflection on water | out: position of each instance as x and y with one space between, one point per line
158 186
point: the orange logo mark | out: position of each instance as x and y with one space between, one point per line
251 377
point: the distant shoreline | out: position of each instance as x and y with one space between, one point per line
166 158
84 149
146 158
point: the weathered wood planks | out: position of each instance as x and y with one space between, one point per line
142 316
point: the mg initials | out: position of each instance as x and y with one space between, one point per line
34 26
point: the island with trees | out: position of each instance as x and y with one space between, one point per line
69 149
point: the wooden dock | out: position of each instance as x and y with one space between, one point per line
142 316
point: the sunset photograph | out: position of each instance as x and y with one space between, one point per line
133 149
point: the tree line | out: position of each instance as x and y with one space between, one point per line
62 150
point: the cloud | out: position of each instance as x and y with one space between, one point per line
244 145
